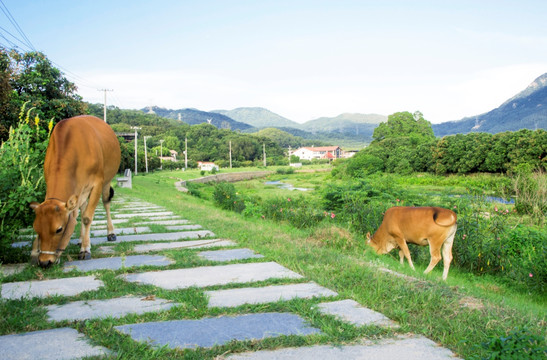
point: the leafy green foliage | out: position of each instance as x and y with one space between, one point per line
530 189
517 344
31 78
404 145
225 196
21 161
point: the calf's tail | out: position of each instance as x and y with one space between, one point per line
111 194
444 217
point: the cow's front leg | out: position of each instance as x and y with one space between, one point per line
87 219
404 248
35 253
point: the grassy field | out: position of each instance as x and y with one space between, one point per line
460 314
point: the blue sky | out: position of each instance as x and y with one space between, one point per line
300 59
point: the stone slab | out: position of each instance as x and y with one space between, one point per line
188 244
11 269
142 214
212 275
115 263
217 331
229 255
116 308
413 348
55 344
67 287
114 221
169 217
183 227
153 237
122 231
352 312
261 295
164 222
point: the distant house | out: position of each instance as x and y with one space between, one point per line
325 152
173 156
207 166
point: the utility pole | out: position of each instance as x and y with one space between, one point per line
145 154
264 153
185 154
230 154
135 128
289 155
161 154
105 90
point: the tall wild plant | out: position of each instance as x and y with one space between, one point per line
21 171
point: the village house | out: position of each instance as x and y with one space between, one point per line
207 166
325 152
173 156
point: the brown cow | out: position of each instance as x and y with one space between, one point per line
82 157
418 225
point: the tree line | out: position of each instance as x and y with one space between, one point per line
406 144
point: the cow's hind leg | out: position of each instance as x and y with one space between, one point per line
108 194
447 252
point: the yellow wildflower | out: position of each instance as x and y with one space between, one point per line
36 120
50 125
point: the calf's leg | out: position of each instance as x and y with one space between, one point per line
435 251
447 252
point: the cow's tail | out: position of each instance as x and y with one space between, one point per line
111 195
444 217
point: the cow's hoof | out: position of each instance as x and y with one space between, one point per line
111 237
84 255
34 260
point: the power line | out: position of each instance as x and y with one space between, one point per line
26 43
6 12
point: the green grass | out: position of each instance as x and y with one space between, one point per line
426 306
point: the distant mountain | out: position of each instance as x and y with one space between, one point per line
258 117
349 124
526 110
194 116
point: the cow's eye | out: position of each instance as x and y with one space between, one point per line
58 231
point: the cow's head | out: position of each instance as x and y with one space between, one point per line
54 225
378 244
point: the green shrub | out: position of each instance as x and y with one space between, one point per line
283 171
530 189
518 344
21 171
226 197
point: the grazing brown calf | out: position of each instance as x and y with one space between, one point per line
82 157
417 225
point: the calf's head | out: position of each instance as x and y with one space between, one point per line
379 243
54 225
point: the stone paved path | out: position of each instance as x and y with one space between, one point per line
134 219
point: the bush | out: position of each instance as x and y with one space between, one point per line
285 171
21 171
225 196
518 344
530 189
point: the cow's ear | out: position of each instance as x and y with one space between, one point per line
34 205
368 236
72 203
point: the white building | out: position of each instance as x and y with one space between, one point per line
207 166
325 152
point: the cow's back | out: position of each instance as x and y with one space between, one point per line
418 222
81 148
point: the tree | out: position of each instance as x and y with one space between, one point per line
404 124
34 80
